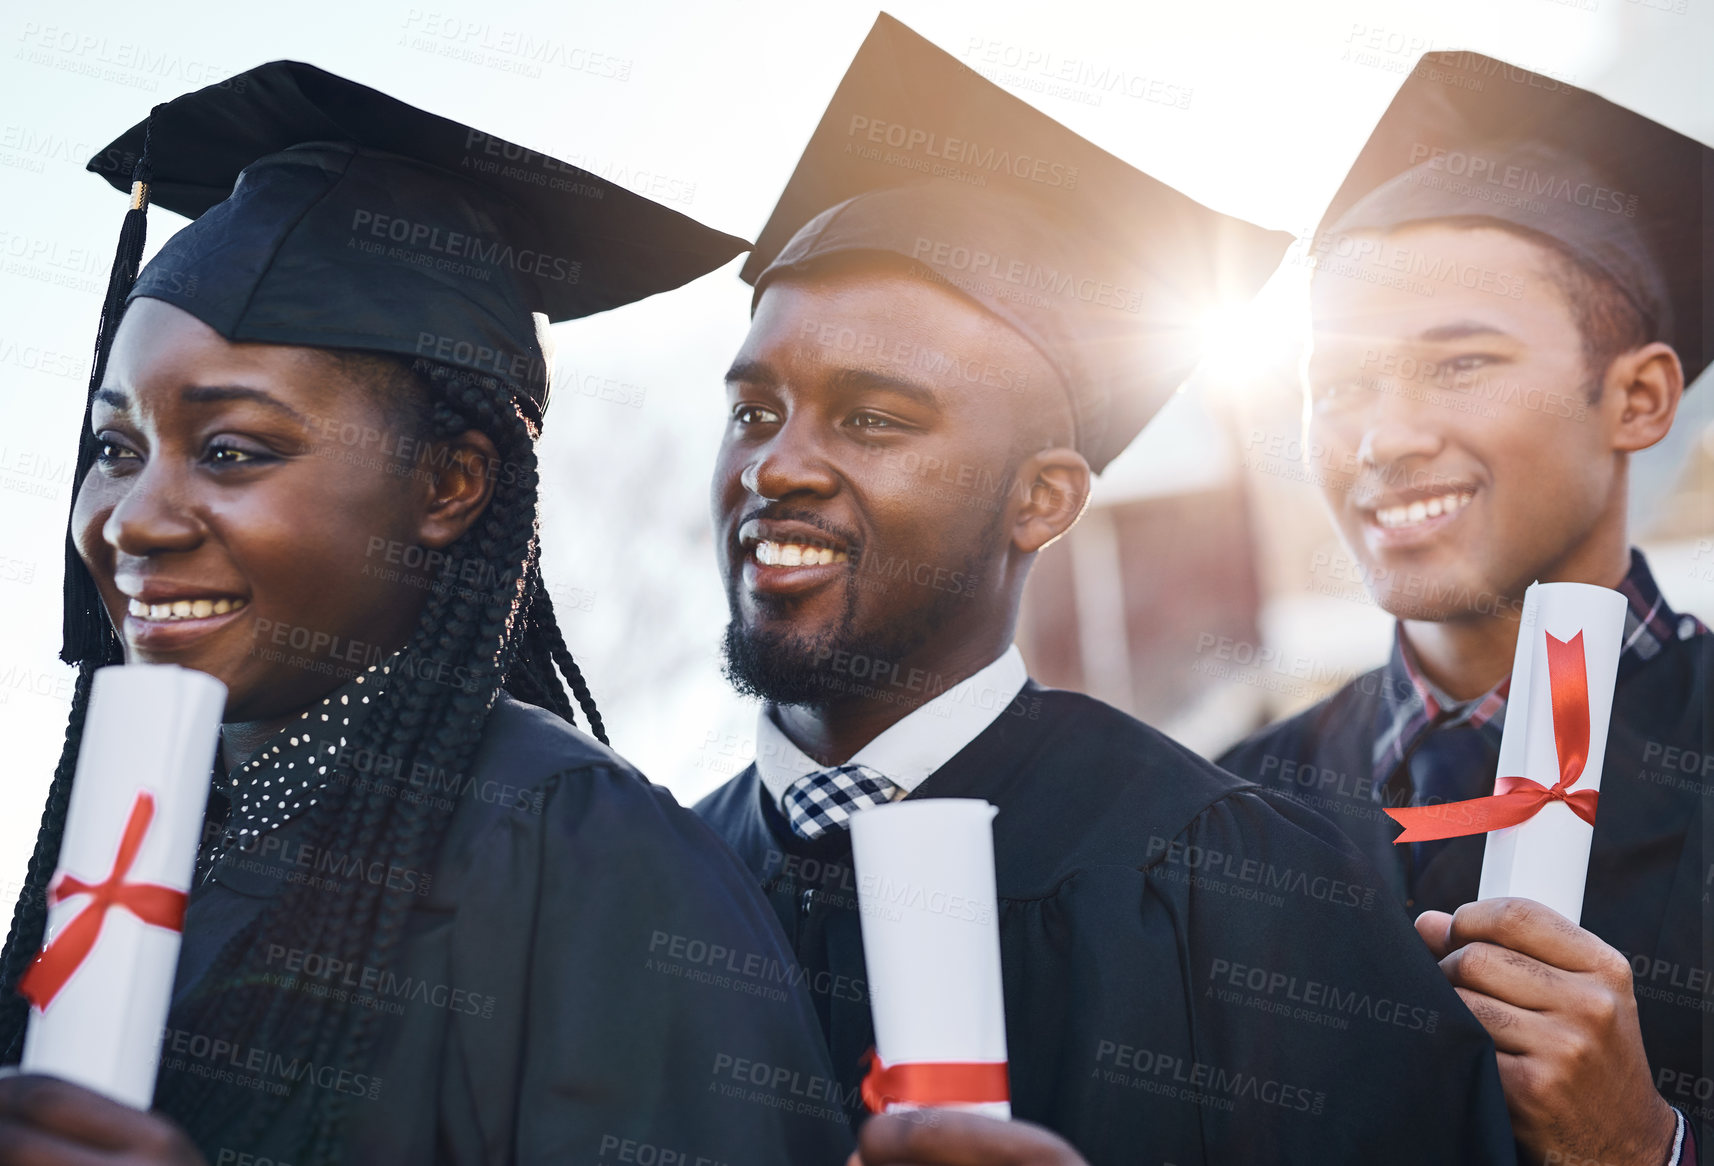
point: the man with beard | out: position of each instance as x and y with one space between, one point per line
1477 438
1194 970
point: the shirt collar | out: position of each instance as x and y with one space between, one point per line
913 747
1650 624
1412 704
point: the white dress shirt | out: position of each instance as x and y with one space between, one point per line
914 747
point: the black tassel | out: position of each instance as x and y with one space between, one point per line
87 634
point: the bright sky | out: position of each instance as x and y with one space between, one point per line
1253 106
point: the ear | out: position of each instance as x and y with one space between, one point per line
1052 488
457 485
1640 393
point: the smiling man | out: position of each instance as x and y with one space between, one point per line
1194 970
1514 299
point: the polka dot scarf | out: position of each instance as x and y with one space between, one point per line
282 780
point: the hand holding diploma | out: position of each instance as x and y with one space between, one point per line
937 1137
101 985
1556 1000
1558 1003
48 1122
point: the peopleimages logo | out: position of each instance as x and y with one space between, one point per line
1527 181
976 263
963 152
462 245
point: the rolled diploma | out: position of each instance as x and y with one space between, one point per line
931 933
1547 857
153 728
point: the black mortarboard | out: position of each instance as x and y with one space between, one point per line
1108 272
330 215
1471 137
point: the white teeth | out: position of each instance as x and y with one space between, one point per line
772 554
1420 510
183 608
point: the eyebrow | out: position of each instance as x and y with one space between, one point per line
752 372
210 394
859 380
1460 330
844 381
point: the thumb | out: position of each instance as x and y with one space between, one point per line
1435 927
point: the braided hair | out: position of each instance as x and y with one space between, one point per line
501 637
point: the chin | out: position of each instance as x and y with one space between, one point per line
1414 607
775 661
1444 596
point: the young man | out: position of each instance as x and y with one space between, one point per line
1521 300
1194 970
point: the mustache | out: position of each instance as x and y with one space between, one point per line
776 513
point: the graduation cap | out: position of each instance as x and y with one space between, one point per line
1472 137
1108 272
330 215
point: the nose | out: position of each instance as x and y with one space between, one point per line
791 462
1392 421
1392 436
154 515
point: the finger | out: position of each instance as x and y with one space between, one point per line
1508 975
1533 929
947 1138
1435 927
22 1144
1512 1029
73 1112
1520 1080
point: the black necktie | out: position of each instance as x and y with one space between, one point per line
1451 764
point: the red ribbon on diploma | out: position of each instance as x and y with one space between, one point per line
934 1083
154 904
1517 799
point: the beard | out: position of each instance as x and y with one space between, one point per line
785 667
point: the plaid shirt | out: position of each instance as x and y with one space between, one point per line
1413 705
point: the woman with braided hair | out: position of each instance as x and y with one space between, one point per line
432 921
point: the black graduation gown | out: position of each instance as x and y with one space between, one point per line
585 980
1651 865
1195 970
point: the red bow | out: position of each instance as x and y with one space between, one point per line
934 1083
154 904
1517 799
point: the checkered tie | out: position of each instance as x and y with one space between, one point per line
825 800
